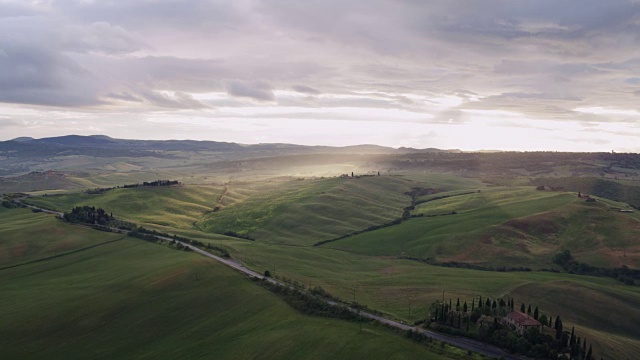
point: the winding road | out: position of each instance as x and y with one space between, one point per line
461 342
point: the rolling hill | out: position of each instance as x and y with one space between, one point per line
129 298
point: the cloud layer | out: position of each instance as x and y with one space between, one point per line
440 62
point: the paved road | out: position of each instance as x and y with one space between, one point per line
461 342
18 200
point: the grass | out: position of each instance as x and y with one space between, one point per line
36 181
281 212
132 299
119 174
445 237
442 181
26 237
155 207
511 226
599 306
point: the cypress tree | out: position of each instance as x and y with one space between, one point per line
464 307
494 305
589 354
558 328
529 309
473 304
487 303
573 351
572 339
535 313
458 305
579 347
522 308
451 316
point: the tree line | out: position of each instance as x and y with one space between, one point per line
566 261
97 191
310 303
463 265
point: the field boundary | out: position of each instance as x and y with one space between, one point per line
61 255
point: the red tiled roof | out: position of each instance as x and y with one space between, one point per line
523 319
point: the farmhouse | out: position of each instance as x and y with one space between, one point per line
521 321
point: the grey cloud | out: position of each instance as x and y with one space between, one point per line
450 117
541 58
173 73
124 96
306 89
177 101
257 90
100 37
32 75
177 14
16 9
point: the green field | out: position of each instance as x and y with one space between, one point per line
156 207
497 226
508 227
26 237
133 299
304 212
390 285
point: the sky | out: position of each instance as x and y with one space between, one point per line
558 75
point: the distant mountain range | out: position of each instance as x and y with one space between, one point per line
76 142
24 154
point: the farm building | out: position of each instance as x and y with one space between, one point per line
521 321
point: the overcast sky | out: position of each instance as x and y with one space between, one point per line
511 75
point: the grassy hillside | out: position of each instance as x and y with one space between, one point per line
510 226
446 237
603 307
304 212
49 180
618 190
300 212
157 207
132 299
25 237
119 174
